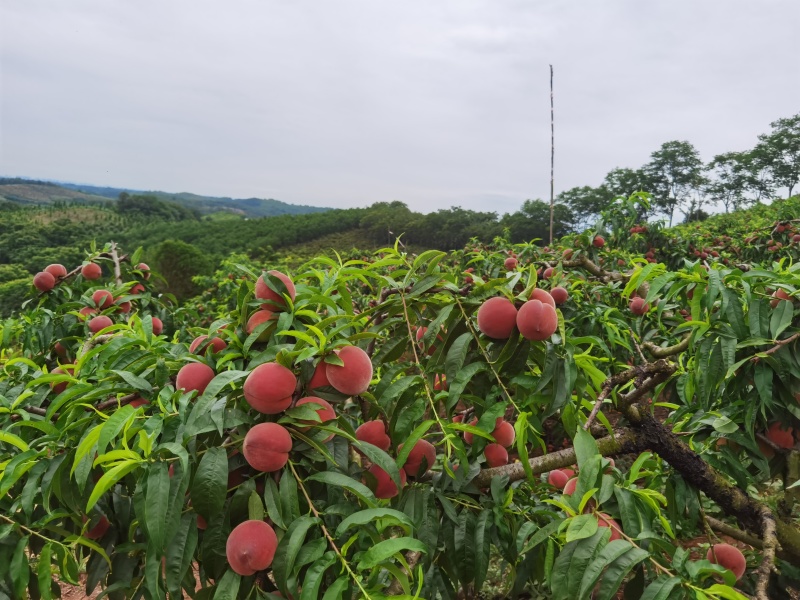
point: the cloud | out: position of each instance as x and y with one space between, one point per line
352 102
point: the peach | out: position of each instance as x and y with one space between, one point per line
559 295
439 383
319 378
266 447
599 241
269 388
497 318
158 326
374 432
569 487
567 254
91 271
548 273
124 307
638 306
98 323
604 520
44 281
144 269
137 289
510 263
354 376
256 319
781 436
194 376
200 344
420 333
729 557
324 411
60 350
102 299
503 432
62 370
86 311
56 270
385 488
273 299
99 530
558 478
422 455
537 321
778 296
496 455
251 547
137 402
543 296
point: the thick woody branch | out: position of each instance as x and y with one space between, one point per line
622 442
664 352
116 259
768 534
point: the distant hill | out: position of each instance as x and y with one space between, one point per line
33 192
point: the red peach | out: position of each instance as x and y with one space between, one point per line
638 306
44 281
269 388
781 436
200 344
496 455
144 269
99 530
422 455
569 487
537 321
251 547
510 263
102 299
98 323
385 488
560 295
256 319
56 270
194 376
729 557
778 296
604 520
543 296
324 411
158 326
354 376
266 447
374 432
273 299
319 378
91 271
558 479
599 241
497 318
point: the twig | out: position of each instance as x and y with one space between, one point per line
778 345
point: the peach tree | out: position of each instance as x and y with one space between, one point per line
405 426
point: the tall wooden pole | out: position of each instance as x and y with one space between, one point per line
552 155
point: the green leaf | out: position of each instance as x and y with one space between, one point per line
210 483
136 382
44 572
580 527
383 460
10 438
456 355
724 591
408 444
228 586
180 552
289 547
120 419
272 499
337 589
109 479
661 588
483 527
388 548
255 507
617 571
585 447
315 576
362 517
156 502
607 555
570 565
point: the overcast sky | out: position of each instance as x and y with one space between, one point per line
339 103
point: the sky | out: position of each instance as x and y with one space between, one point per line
436 103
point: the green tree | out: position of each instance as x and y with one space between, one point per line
585 204
781 149
532 221
731 178
178 262
675 172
